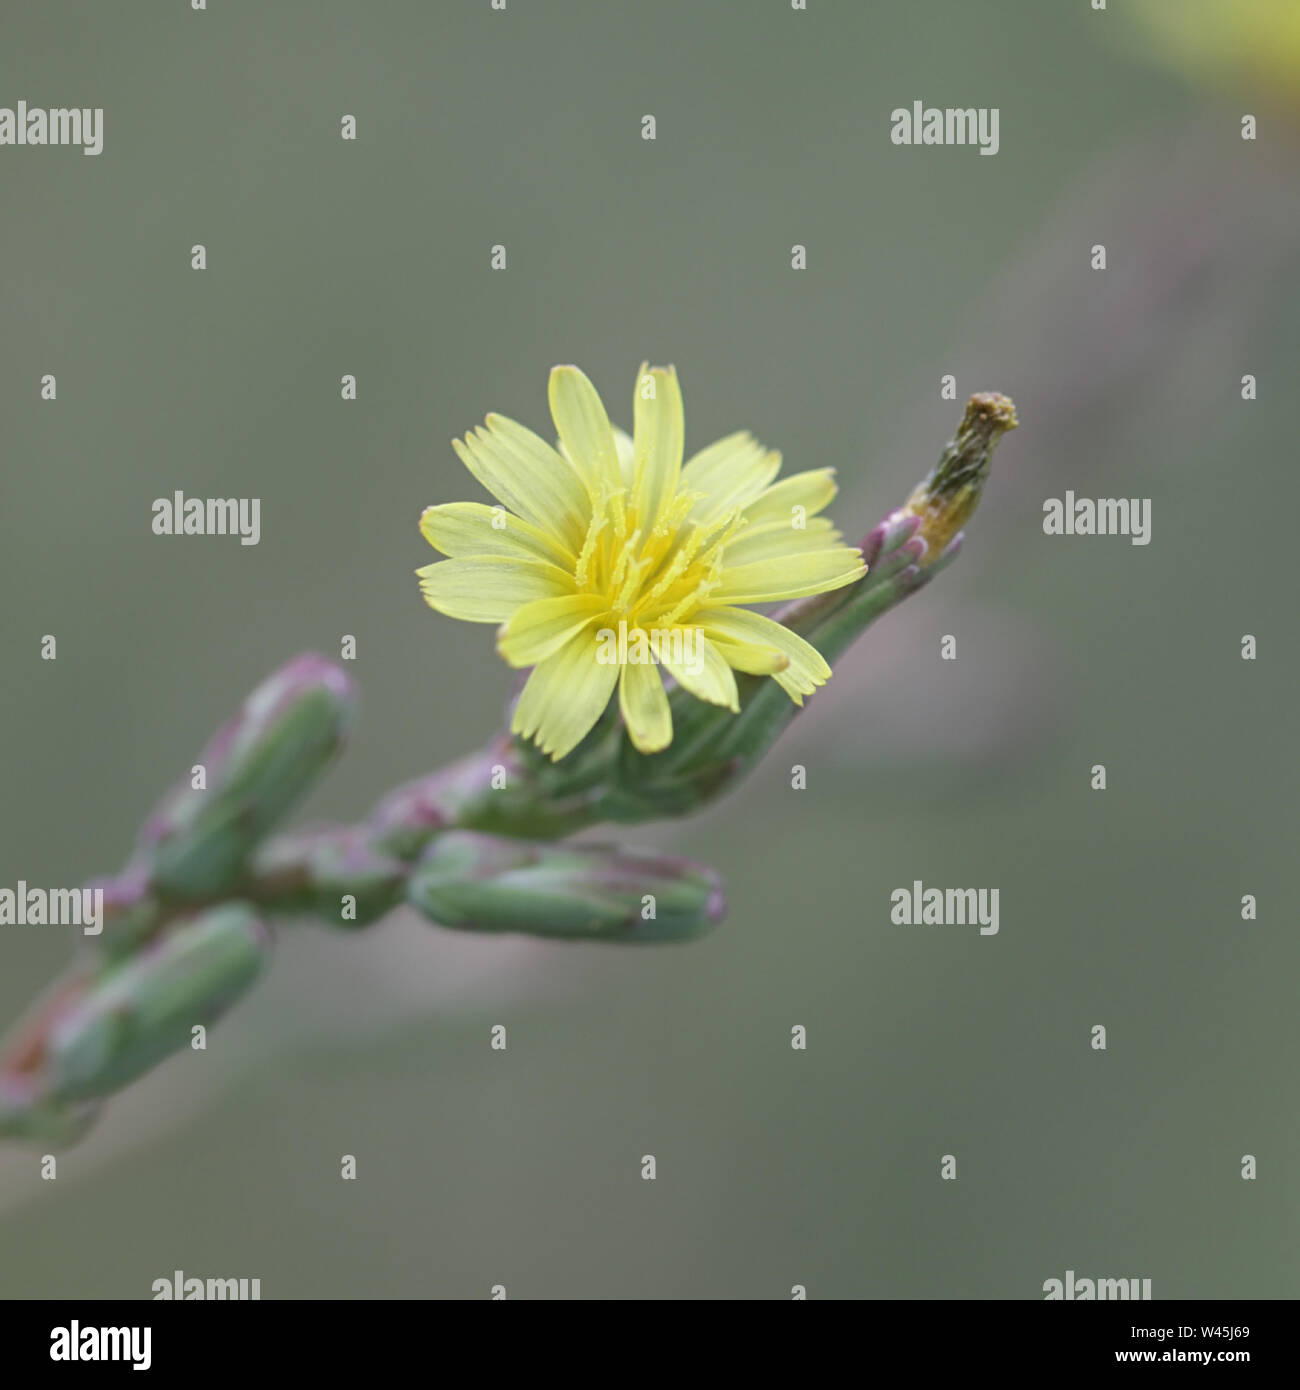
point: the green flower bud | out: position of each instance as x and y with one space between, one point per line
584 892
131 1015
198 841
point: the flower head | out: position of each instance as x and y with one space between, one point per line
608 559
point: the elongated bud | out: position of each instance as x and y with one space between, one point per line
948 497
586 892
196 844
132 1015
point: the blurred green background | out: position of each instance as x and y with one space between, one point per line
1120 907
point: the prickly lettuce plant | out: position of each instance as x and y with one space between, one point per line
479 845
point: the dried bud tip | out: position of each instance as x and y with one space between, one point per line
948 497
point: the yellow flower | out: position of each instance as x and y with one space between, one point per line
608 558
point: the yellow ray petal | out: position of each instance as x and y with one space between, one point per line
806 669
730 473
623 447
460 529
812 491
793 576
565 695
626 456
583 425
705 469
542 627
546 473
707 676
526 474
777 539
753 661
644 703
488 588
658 434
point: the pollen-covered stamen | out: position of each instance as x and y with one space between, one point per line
626 557
660 547
676 568
706 573
616 505
681 593
661 539
627 575
696 598
599 520
727 528
599 576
